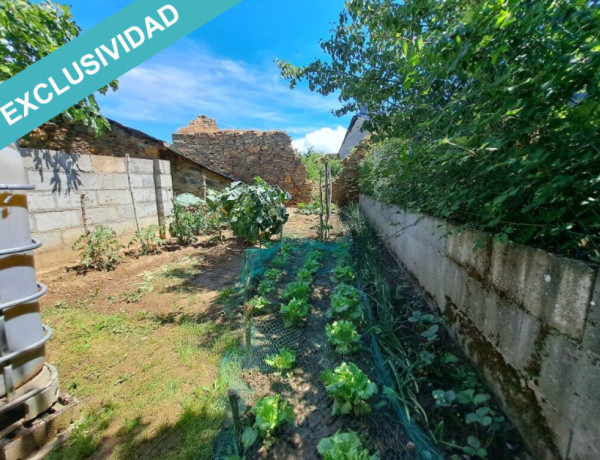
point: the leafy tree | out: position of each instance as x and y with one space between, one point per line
28 32
315 164
496 105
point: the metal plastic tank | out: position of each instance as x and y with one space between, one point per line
28 386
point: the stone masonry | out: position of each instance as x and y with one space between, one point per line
245 155
345 187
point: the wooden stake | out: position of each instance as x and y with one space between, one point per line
86 229
235 415
137 223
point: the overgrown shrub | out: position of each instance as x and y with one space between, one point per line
315 165
255 212
99 249
496 104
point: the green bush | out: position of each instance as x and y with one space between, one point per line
496 105
255 212
315 165
99 249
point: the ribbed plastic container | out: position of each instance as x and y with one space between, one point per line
22 323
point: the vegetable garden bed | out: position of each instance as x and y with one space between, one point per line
326 370
343 359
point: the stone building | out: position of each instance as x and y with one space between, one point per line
245 155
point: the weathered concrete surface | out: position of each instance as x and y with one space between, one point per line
61 179
530 321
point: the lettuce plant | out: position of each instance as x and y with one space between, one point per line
270 413
297 290
273 274
266 287
345 303
282 361
350 388
294 312
343 274
258 303
344 446
311 265
343 336
304 276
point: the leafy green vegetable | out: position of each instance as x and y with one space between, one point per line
344 446
343 274
266 287
273 274
271 413
282 361
345 303
294 312
350 388
304 276
297 290
344 336
258 303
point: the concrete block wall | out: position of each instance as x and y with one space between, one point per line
61 179
530 321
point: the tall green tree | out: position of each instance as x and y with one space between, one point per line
30 31
497 103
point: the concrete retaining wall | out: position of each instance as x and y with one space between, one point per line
528 319
110 196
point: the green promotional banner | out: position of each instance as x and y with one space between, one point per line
97 57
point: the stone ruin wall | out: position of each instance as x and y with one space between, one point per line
244 155
345 188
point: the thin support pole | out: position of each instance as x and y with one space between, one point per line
235 415
135 216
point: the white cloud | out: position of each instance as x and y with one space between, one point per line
187 80
324 140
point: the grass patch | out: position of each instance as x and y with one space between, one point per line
148 385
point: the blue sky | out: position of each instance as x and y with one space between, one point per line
225 70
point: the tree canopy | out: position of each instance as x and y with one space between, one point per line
496 103
28 32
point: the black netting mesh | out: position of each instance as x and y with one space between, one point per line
266 273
